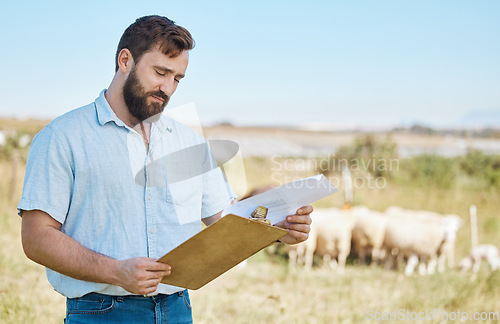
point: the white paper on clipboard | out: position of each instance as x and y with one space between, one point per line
286 199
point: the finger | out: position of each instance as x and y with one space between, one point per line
153 283
303 228
159 272
298 236
158 266
148 290
149 286
299 219
146 263
157 275
305 210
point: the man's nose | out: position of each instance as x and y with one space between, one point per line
168 86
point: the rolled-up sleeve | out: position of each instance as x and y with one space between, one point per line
49 176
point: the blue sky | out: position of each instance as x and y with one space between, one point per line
268 62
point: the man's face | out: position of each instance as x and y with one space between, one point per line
151 83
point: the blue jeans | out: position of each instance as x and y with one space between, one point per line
98 308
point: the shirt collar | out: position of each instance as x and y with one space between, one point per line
104 112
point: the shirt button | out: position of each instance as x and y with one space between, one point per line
149 197
151 230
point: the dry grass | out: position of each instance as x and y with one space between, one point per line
25 294
265 291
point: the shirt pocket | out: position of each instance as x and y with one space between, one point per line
186 197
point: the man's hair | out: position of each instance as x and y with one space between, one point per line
150 32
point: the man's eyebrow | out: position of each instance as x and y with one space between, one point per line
166 69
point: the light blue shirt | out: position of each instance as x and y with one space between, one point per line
91 172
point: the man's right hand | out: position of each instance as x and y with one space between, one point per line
140 276
44 243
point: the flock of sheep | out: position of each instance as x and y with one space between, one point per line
413 237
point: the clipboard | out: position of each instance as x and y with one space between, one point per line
216 249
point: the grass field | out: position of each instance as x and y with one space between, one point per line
267 292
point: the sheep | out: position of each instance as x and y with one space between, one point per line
368 234
330 237
488 252
413 235
422 236
416 239
333 228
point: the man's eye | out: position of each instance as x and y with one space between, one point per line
160 73
177 80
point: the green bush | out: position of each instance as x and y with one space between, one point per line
431 170
483 168
367 153
475 168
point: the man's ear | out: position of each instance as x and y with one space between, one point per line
125 61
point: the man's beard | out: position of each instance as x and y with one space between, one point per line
136 99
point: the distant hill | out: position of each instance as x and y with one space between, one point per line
481 118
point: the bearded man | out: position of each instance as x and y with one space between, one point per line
103 199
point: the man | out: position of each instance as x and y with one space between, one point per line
106 193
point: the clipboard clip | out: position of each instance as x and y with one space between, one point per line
260 214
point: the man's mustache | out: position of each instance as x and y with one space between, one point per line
159 94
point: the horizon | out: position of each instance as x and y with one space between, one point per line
340 127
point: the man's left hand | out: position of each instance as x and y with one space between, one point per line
298 226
